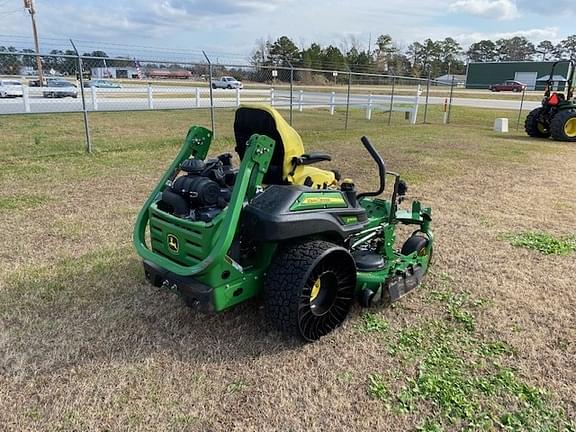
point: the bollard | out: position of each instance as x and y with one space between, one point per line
332 102
197 97
369 108
26 98
237 97
272 96
301 101
445 111
414 112
94 100
150 99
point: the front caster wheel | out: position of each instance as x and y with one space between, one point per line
419 244
309 289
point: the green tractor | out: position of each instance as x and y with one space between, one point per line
556 117
309 244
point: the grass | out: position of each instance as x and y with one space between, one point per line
370 322
87 344
460 380
543 242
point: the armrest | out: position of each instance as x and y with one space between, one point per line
311 158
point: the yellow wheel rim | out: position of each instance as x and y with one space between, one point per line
570 127
315 290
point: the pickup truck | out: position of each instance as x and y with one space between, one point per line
226 82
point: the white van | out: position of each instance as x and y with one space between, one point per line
10 88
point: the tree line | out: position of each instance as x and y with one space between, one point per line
437 57
385 56
61 61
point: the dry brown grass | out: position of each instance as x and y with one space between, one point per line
86 344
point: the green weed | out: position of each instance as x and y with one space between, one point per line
543 242
370 322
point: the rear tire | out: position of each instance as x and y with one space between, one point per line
534 127
563 126
309 289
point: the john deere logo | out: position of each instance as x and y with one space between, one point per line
173 243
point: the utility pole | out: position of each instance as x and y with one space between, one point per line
29 5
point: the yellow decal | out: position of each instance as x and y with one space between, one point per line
323 200
173 243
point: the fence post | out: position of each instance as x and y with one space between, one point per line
332 102
391 101
414 113
427 96
348 99
272 96
84 110
237 97
369 108
150 97
521 108
450 103
94 100
212 120
291 91
26 98
197 97
301 101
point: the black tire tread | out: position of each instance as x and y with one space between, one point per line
285 280
557 125
531 124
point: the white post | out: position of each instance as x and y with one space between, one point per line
94 100
150 99
26 98
369 108
445 119
237 97
414 112
301 101
197 97
332 102
272 96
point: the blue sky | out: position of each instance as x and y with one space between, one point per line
233 26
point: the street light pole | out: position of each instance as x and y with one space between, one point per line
29 5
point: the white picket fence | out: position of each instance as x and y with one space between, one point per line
152 97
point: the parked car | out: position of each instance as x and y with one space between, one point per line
60 88
226 82
515 86
101 83
10 88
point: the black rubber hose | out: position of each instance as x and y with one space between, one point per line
381 168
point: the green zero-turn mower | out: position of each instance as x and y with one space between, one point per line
556 117
276 227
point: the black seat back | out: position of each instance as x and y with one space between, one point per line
250 121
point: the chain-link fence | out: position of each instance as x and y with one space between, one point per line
70 83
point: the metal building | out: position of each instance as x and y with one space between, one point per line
533 74
114 72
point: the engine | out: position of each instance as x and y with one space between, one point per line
200 190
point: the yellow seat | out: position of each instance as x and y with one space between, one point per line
265 120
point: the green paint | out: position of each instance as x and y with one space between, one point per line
200 250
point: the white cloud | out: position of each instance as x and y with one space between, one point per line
534 35
494 9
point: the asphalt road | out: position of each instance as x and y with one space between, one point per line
176 98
